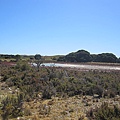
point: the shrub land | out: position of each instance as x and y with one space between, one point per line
22 84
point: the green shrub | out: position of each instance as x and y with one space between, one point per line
11 107
105 112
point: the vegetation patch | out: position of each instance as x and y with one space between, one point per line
57 93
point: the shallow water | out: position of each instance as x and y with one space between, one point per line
93 67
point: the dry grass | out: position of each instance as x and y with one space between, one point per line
72 108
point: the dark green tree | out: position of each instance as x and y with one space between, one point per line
38 60
17 57
83 56
79 56
105 57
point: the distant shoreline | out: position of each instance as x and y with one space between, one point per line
82 66
85 63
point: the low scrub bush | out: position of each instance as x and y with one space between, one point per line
105 112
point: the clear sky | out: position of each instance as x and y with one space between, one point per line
51 27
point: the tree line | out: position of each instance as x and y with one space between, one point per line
79 56
85 56
16 57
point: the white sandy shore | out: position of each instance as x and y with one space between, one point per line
83 66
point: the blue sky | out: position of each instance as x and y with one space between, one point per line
51 27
